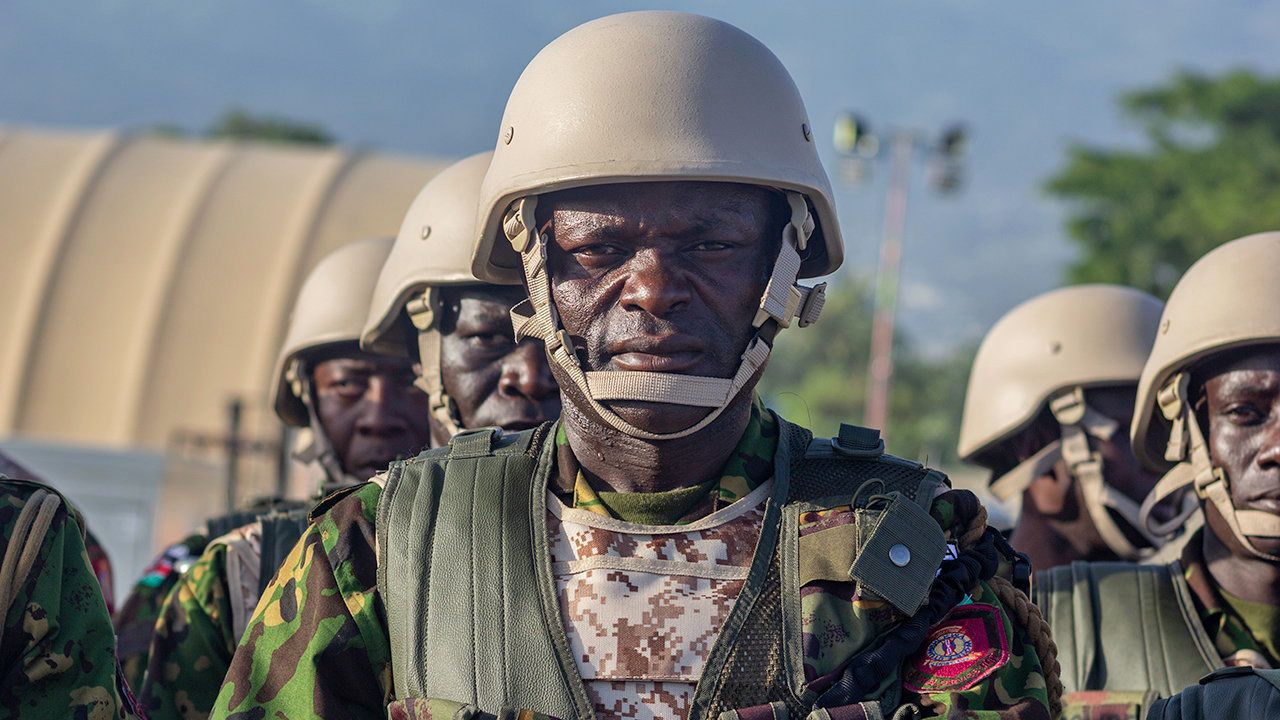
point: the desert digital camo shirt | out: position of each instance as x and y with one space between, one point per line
317 645
58 650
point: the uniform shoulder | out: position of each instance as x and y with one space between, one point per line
349 503
15 494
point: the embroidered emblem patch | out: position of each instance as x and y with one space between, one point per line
965 647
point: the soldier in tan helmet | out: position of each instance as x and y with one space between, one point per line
425 304
1208 416
358 412
670 548
1051 390
428 304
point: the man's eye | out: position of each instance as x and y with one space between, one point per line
1244 414
348 386
710 246
598 250
489 340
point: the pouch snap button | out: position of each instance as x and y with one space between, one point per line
900 555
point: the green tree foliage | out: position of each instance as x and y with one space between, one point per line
1209 172
237 124
817 376
240 125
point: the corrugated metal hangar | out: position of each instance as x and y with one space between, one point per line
147 279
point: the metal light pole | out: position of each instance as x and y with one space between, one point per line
859 146
880 366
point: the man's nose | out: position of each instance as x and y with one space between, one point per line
654 285
1269 453
378 414
525 373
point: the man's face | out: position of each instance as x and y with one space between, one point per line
491 379
660 277
1242 405
1120 467
1123 471
370 410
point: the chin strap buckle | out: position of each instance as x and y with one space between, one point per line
421 309
1172 399
812 301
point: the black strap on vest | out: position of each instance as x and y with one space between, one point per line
223 524
281 530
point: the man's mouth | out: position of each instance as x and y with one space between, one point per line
649 353
1268 501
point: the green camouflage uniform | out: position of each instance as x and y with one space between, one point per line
58 650
1237 641
193 642
318 646
136 621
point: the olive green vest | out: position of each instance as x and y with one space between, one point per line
1125 628
473 616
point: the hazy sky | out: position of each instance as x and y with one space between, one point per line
431 78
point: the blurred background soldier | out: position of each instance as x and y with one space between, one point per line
428 304
472 371
57 648
357 411
1050 393
656 187
1208 413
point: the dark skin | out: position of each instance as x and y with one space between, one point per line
491 379
369 409
658 277
1241 404
1054 528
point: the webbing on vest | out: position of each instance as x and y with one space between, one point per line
462 514
472 610
281 530
1124 627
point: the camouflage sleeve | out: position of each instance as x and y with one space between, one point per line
100 563
317 644
979 664
193 642
136 620
58 648
979 661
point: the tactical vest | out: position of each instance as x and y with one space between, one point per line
255 549
472 610
1124 628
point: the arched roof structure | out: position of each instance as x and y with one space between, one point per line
146 280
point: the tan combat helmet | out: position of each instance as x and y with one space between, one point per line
655 96
1046 352
433 250
1200 321
329 311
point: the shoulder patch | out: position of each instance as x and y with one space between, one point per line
966 646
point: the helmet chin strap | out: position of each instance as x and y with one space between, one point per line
782 301
424 312
1195 469
318 450
1078 422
